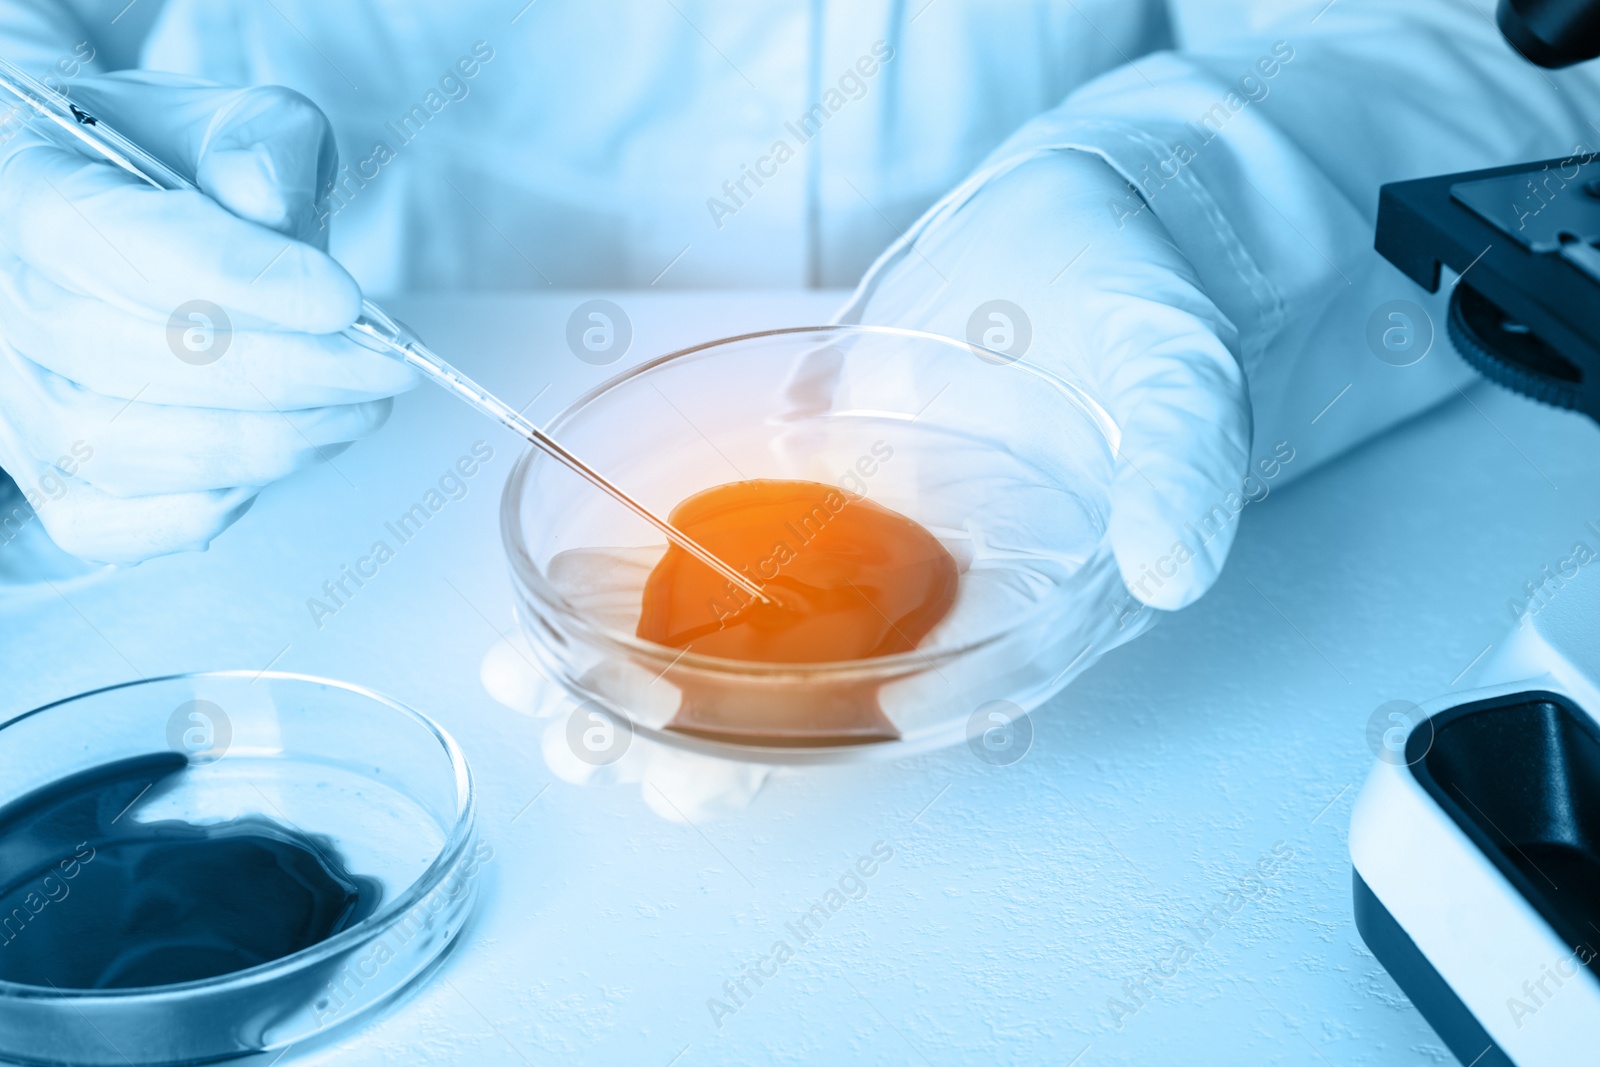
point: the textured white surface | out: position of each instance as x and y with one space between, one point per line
1018 899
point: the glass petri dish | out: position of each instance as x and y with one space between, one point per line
1008 464
366 778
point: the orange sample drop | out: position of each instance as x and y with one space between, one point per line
848 580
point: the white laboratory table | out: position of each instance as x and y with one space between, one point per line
1020 901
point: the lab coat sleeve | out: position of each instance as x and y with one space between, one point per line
1263 159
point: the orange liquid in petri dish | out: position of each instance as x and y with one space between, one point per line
848 579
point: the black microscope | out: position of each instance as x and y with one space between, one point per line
1522 238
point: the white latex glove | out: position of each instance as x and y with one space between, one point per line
677 785
161 443
1127 320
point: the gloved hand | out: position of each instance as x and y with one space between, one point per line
1112 305
170 353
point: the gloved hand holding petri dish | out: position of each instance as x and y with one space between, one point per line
947 523
930 528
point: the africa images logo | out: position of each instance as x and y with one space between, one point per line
199 730
199 332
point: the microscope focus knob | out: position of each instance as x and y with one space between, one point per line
1508 353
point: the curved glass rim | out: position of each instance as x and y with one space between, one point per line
528 573
425 883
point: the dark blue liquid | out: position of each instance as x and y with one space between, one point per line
92 899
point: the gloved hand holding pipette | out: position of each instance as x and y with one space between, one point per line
110 293
91 133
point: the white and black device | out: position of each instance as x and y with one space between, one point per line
1476 848
1476 839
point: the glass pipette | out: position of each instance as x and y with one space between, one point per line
70 126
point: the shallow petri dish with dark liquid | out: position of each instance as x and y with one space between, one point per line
207 866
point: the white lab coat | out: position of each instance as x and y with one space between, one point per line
595 146
609 143
590 149
586 151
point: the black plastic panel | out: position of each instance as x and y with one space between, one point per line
1421 224
1521 776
